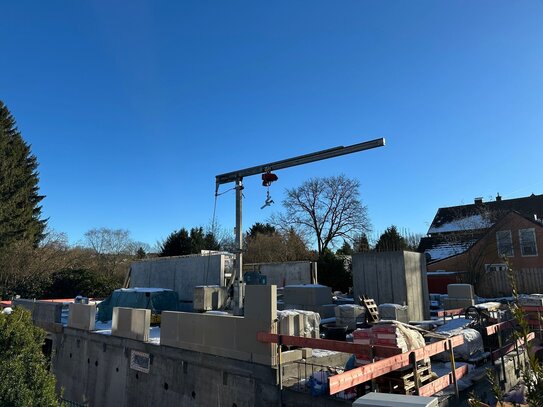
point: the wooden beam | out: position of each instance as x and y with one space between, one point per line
508 348
327 344
493 329
442 382
371 371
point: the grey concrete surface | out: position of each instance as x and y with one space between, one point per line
287 273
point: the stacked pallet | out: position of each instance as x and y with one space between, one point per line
404 381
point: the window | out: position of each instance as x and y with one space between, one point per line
504 243
528 246
495 267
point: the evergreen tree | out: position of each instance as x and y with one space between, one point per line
261 228
177 243
390 241
24 376
345 250
19 198
140 253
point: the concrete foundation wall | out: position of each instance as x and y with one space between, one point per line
393 277
180 274
288 273
95 370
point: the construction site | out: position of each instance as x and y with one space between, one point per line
205 330
171 340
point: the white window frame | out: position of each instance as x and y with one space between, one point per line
522 245
510 240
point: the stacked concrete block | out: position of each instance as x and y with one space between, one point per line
394 312
82 316
132 323
349 315
207 298
459 296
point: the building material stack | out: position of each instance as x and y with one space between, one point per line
299 323
209 297
349 314
459 296
394 312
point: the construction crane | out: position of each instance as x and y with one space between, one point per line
267 178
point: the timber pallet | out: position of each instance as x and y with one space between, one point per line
402 381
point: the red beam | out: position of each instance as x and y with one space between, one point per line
442 382
365 373
508 348
450 312
338 346
493 329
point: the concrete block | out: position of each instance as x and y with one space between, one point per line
42 311
286 325
349 314
307 353
207 298
291 356
307 294
454 303
388 399
82 316
460 291
261 302
132 323
394 311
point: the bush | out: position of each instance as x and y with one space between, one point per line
24 376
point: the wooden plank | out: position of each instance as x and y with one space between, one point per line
365 373
493 329
327 344
442 382
508 348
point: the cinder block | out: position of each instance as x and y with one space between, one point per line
454 303
132 323
286 325
42 311
207 298
291 356
307 294
394 311
82 316
460 291
261 302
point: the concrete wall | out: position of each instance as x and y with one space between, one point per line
393 277
95 370
226 335
180 274
44 313
288 273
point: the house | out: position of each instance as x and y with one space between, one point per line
471 241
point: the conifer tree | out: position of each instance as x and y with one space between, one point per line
20 211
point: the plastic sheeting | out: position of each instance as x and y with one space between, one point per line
473 341
155 299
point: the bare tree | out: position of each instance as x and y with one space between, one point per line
112 247
326 208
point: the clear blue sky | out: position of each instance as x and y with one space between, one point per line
133 107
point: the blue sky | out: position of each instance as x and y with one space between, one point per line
133 107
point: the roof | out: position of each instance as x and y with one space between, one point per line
481 216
